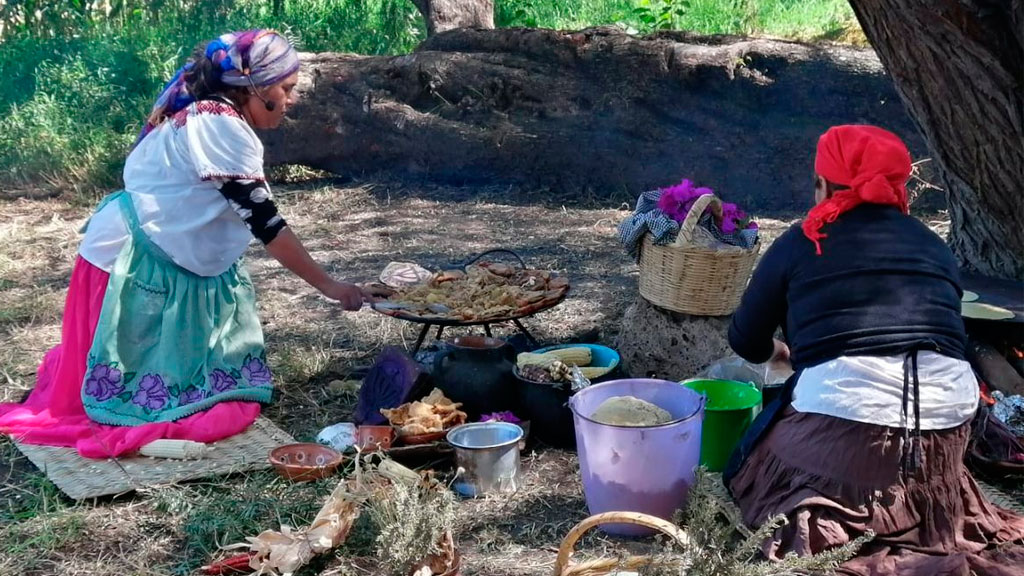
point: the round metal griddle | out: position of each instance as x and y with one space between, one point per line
443 322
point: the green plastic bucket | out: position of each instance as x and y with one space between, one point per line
730 408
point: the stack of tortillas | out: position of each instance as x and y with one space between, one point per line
970 308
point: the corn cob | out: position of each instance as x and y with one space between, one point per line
175 449
591 372
559 371
574 356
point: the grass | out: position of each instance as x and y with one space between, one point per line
208 516
354 231
32 497
79 84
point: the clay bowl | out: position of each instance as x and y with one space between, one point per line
456 569
303 462
374 438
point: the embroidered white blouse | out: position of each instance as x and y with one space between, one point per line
174 178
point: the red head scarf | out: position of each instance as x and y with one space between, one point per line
872 162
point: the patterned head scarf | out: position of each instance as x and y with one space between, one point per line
259 57
873 163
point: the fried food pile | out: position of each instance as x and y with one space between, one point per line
434 413
484 291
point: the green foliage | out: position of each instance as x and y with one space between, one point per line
410 522
560 14
80 77
720 545
661 14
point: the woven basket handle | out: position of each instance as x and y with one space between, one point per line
636 518
689 224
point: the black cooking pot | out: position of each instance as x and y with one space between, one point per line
545 405
477 371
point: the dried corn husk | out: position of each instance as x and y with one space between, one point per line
397 473
285 551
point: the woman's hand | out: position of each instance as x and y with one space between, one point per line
781 353
290 252
374 291
349 295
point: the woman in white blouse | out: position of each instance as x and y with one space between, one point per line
160 334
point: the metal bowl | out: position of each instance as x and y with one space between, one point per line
488 453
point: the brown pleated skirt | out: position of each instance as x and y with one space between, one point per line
836 479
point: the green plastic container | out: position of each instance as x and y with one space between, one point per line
730 408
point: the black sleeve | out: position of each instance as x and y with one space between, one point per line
763 307
252 201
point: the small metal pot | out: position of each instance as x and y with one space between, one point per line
488 452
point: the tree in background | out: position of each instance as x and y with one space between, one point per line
441 15
959 67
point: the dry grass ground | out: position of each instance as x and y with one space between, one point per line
354 230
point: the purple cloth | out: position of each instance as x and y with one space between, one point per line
386 385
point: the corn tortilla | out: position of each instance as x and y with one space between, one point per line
981 311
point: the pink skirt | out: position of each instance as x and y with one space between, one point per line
53 414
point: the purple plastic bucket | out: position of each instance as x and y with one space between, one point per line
638 469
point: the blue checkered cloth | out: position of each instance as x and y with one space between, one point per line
647 218
742 238
663 229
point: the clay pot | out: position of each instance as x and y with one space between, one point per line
477 371
374 438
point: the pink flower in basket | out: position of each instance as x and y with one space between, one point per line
734 219
676 201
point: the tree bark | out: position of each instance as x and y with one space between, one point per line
958 65
444 15
595 112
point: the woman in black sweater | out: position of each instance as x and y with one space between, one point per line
871 430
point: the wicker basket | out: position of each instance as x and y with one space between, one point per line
606 566
692 279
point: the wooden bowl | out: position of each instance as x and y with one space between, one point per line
305 461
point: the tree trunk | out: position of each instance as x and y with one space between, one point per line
959 67
444 15
596 111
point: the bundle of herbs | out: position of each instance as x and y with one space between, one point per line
721 545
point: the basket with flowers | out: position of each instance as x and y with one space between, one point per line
695 252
